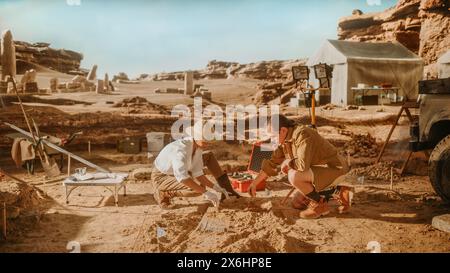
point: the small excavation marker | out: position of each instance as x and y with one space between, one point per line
392 178
4 220
69 163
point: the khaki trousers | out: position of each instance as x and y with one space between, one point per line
164 182
324 176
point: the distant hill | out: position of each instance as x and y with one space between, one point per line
264 70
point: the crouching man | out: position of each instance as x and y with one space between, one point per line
180 164
311 163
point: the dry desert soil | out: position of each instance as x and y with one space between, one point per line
399 219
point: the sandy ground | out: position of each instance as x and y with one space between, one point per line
399 219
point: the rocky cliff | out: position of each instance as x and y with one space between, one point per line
423 26
265 70
61 60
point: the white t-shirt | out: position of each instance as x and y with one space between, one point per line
176 159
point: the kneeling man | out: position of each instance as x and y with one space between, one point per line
180 164
311 163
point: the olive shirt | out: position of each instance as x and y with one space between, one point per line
308 150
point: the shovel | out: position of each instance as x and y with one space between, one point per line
49 165
49 168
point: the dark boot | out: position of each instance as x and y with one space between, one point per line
225 183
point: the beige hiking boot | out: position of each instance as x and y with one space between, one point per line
344 198
315 209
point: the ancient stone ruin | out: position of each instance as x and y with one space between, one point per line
8 56
92 73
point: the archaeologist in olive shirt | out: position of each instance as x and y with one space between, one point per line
311 163
178 171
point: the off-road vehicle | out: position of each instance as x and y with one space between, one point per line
432 132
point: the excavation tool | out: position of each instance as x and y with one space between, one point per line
241 181
59 149
50 167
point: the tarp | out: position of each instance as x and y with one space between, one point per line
444 65
371 64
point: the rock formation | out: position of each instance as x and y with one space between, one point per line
122 76
62 60
423 26
435 31
8 56
265 70
92 76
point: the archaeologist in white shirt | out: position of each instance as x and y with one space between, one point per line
180 164
182 159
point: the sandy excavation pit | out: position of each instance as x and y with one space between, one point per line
246 225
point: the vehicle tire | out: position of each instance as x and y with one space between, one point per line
439 168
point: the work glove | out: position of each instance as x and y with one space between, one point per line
210 196
224 182
221 190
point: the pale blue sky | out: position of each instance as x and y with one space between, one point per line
137 36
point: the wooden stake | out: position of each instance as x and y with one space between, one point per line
349 162
392 178
399 115
2 104
405 164
4 220
287 196
69 163
313 109
89 147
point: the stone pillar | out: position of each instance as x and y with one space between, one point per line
29 76
8 55
25 77
54 85
106 82
92 76
32 75
188 83
100 87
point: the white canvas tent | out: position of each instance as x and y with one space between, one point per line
368 63
444 65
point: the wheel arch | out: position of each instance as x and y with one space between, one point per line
437 129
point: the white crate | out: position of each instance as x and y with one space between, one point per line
156 141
